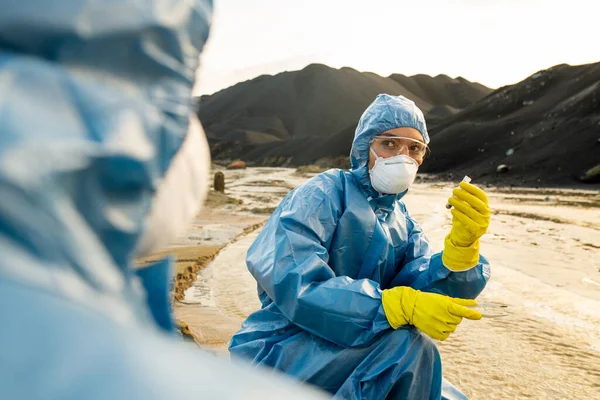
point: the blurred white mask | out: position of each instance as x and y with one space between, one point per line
181 194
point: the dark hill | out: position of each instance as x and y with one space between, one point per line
298 117
442 90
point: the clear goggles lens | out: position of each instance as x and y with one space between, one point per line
390 146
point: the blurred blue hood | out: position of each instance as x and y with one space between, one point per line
95 102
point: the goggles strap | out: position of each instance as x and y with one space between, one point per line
373 151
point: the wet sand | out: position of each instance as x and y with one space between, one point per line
545 256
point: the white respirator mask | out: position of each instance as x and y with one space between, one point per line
393 175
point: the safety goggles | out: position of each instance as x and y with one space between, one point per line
390 146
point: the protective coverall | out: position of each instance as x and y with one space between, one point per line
95 99
321 263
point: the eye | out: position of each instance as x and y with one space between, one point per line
388 143
415 147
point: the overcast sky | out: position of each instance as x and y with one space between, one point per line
494 42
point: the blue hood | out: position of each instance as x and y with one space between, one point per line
95 102
384 113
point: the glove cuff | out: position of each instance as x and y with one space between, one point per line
398 305
459 258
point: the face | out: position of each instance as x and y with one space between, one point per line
404 132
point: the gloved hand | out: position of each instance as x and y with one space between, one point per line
434 314
470 220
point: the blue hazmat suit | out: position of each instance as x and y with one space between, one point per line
321 263
95 101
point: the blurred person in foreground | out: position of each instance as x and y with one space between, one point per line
349 286
102 160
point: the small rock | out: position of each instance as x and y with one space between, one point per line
510 152
502 168
512 132
592 175
548 198
238 164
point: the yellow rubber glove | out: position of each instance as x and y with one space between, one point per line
434 314
470 220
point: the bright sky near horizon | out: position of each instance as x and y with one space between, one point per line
494 42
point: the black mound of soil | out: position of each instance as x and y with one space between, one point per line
542 131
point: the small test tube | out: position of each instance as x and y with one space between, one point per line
491 310
465 179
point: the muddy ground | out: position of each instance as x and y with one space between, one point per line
544 247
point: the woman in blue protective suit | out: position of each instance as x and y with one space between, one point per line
349 286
